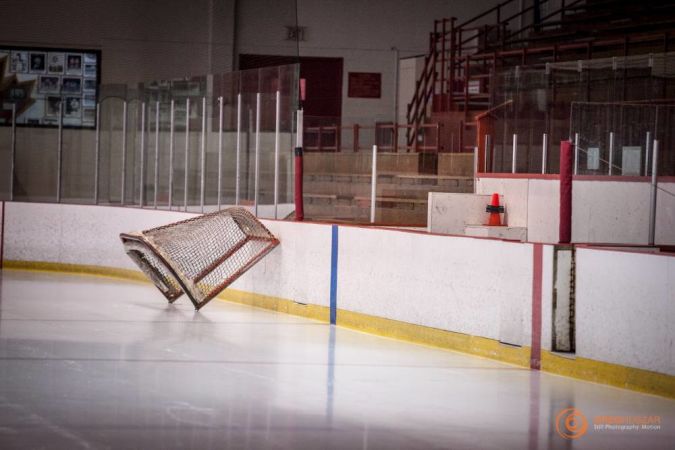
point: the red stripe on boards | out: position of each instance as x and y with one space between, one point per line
537 262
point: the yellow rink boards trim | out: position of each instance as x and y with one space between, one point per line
570 366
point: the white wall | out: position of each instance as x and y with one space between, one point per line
409 71
452 283
74 234
450 213
481 287
148 40
369 35
602 211
625 308
139 40
298 269
515 192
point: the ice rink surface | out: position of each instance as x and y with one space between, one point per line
89 362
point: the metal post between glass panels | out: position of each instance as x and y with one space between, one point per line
576 153
475 165
611 153
59 154
486 153
13 156
652 204
373 186
220 149
277 143
187 150
544 152
124 149
514 152
238 152
155 181
97 152
647 150
202 162
171 129
256 176
142 177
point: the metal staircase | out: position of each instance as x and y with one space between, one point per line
455 82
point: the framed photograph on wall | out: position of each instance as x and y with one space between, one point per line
52 106
71 85
89 85
74 64
49 84
41 77
55 63
38 62
18 62
89 100
89 115
90 70
72 107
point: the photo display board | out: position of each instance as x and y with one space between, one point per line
39 80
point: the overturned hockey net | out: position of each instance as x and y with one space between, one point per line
200 256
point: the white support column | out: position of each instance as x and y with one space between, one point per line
156 177
142 165
97 152
514 156
373 186
13 157
256 174
59 156
171 146
299 128
220 149
187 154
544 152
277 144
652 203
648 143
576 153
237 177
202 158
124 152
611 153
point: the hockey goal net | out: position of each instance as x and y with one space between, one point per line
200 256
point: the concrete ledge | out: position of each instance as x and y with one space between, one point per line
360 163
457 164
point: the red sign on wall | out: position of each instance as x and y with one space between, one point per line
365 85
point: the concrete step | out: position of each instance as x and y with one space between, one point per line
391 210
397 186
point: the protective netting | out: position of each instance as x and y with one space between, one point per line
622 135
529 101
200 256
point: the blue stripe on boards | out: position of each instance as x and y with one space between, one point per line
333 274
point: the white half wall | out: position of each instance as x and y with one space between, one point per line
450 213
480 287
465 285
603 211
76 234
298 270
625 308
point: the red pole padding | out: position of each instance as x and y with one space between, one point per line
299 204
566 171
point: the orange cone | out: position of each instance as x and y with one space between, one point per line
494 209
